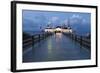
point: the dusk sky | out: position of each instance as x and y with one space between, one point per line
33 20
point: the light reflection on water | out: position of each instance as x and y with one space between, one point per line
49 45
58 35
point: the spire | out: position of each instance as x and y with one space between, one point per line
69 24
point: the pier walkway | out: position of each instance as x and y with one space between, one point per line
57 47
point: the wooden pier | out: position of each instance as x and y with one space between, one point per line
31 40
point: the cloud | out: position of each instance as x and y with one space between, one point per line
49 22
66 21
75 18
53 19
84 21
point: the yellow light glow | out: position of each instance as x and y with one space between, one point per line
58 29
49 45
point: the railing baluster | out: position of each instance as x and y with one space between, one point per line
32 40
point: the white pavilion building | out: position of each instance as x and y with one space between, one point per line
59 29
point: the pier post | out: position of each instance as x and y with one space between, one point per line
32 40
39 37
80 40
75 37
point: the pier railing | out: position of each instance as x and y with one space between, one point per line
35 38
82 40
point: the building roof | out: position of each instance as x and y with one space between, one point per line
48 28
65 27
62 27
58 27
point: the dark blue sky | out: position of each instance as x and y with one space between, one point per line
33 20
